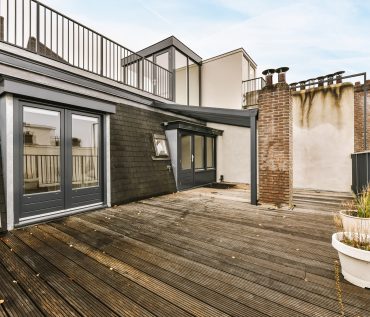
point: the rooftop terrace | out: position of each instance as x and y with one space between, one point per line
204 252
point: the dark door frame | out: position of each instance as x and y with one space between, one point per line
210 172
66 191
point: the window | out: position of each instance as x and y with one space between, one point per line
41 150
193 83
160 146
85 151
186 152
181 76
199 151
210 152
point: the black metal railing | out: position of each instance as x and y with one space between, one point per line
251 88
36 27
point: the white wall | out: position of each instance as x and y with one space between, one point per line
222 81
233 153
6 132
323 138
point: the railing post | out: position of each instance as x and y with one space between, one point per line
101 57
37 27
142 73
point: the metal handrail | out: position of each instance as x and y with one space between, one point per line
250 88
36 27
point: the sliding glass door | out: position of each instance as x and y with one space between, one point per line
60 162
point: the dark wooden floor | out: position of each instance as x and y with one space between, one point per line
204 252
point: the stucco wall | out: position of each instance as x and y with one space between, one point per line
323 137
222 81
233 153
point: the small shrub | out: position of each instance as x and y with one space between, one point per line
360 205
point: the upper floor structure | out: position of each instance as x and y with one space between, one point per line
167 69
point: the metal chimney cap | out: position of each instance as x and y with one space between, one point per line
268 71
341 72
281 69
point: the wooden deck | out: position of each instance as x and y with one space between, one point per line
204 252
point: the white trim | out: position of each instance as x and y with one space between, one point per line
57 214
9 170
107 163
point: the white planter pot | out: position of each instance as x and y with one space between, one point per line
355 224
355 262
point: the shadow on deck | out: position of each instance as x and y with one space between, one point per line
203 252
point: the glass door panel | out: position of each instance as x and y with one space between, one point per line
85 151
186 152
199 152
41 150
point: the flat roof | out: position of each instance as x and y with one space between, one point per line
168 42
233 117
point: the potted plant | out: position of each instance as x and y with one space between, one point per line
356 215
352 241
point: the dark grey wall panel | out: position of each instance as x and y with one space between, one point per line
134 174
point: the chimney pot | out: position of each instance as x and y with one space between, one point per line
338 76
330 79
269 76
282 74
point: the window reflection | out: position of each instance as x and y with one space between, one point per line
85 151
41 150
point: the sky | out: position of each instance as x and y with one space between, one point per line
312 37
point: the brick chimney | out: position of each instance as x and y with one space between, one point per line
275 141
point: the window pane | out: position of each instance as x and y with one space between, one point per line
162 60
85 151
186 152
210 153
160 145
199 151
41 150
193 84
181 78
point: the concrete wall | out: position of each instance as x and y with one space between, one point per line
323 137
222 81
233 153
134 174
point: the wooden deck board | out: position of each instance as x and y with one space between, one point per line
204 252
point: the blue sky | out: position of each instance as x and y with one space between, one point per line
312 37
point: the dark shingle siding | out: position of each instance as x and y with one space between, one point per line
134 175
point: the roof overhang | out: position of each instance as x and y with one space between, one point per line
191 126
233 117
29 89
